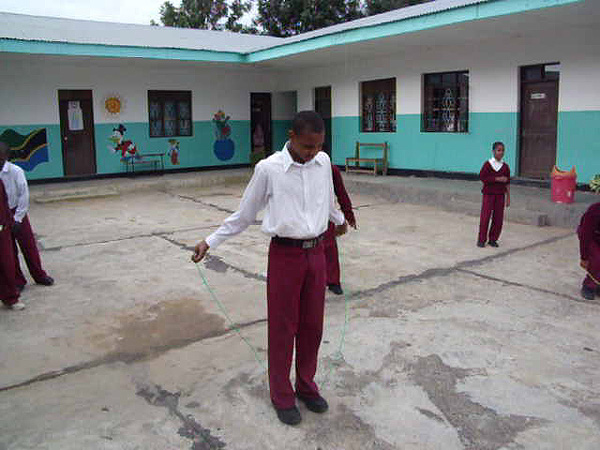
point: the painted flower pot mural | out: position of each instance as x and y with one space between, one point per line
224 147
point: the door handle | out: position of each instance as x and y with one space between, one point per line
65 139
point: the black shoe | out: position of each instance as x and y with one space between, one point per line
493 243
314 404
336 289
480 244
46 281
289 416
588 293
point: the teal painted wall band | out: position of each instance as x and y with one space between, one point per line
116 51
579 143
194 151
443 18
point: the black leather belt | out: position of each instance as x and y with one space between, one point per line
302 243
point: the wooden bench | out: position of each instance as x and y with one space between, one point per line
373 164
153 160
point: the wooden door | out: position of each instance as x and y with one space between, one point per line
323 107
260 119
77 132
539 115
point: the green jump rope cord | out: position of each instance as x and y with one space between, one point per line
337 354
231 322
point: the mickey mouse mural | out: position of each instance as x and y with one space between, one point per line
224 147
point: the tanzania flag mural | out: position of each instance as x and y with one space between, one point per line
27 151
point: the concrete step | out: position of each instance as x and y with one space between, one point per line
466 201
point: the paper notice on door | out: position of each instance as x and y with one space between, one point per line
538 96
75 115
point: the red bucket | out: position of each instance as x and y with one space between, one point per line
562 185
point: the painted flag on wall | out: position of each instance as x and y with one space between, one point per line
27 151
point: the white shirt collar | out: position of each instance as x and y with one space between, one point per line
5 168
496 165
288 161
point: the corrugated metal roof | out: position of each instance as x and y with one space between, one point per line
378 19
51 29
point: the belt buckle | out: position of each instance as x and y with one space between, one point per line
308 244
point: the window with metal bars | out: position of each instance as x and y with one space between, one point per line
446 102
378 105
170 113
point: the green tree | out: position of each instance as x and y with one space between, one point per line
289 17
380 6
206 14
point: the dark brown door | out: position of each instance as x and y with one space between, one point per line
260 120
77 132
323 107
539 113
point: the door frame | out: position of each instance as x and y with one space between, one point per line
522 84
328 136
78 94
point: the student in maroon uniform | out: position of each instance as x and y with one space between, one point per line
17 193
495 175
589 250
9 294
331 250
295 188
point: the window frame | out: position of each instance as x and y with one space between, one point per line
388 86
460 86
163 96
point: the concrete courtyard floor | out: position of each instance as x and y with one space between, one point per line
446 346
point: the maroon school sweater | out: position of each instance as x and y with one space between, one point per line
589 230
488 176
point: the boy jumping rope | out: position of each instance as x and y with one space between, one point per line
295 188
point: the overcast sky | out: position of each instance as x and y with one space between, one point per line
125 11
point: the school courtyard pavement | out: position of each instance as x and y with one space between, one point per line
439 344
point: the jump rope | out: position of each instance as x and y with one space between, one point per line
335 358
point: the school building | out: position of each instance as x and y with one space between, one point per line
439 82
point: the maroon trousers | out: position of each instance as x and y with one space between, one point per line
296 301
28 246
592 279
8 286
492 206
331 255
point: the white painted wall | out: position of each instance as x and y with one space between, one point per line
493 68
283 105
29 87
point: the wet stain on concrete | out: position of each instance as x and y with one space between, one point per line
217 264
164 326
349 432
255 386
201 437
478 427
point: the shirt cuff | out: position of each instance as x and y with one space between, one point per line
214 240
338 218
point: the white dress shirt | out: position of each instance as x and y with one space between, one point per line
298 199
15 185
496 165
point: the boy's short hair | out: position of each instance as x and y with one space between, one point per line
497 143
308 121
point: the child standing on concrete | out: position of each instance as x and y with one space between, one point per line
495 175
589 249
295 188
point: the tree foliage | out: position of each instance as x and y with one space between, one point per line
205 14
273 17
289 17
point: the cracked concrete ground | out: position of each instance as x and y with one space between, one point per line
446 345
